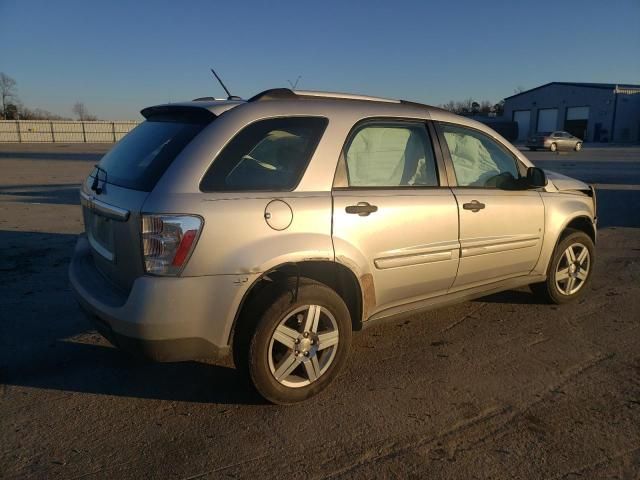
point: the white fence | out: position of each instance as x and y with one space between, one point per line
58 131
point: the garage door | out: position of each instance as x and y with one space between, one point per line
547 120
578 113
523 119
577 121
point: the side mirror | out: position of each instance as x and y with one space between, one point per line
536 177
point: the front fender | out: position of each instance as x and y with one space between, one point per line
560 210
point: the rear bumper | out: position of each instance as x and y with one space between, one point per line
539 146
168 350
162 318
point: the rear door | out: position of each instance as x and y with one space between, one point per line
560 140
501 223
394 215
113 194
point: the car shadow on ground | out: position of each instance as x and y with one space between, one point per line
83 157
47 343
73 366
519 297
58 194
618 208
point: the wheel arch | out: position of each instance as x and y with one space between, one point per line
335 275
582 223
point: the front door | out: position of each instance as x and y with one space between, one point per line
392 221
501 222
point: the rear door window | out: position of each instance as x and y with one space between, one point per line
391 155
142 156
268 155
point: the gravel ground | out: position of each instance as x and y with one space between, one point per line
502 387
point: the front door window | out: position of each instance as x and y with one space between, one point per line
478 160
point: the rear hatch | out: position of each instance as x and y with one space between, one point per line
113 195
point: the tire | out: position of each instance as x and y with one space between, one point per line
578 147
558 290
553 147
273 342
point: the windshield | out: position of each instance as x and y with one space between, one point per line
141 157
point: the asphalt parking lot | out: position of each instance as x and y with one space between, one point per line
501 387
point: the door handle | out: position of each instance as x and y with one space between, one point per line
474 206
362 208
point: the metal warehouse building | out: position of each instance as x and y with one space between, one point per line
595 112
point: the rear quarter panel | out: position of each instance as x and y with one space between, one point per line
236 238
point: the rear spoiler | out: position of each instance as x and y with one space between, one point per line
181 113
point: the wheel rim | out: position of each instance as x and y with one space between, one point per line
573 269
303 346
578 147
554 147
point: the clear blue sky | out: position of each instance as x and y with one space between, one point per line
119 56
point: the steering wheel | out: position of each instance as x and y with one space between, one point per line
499 180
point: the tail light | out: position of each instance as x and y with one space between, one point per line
168 241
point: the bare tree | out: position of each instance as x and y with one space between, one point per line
450 105
470 106
7 92
38 114
465 107
486 107
81 111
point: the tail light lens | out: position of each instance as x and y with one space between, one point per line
167 242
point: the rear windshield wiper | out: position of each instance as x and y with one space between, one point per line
95 186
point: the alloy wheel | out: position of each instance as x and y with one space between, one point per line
303 346
573 269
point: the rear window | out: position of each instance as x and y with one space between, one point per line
268 155
142 156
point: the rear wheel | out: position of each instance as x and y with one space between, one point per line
570 269
298 345
553 147
578 146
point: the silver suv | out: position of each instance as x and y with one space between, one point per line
275 227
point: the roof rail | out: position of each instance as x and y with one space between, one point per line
346 96
214 99
288 94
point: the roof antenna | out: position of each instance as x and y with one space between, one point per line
295 84
229 96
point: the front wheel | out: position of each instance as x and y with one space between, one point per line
570 269
578 147
299 344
